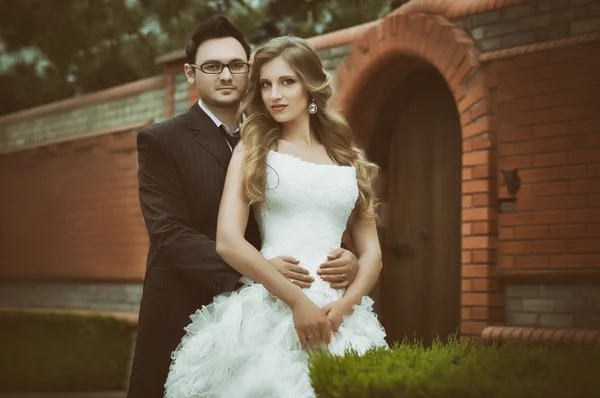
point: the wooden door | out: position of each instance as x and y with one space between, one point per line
420 285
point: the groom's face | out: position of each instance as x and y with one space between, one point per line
224 89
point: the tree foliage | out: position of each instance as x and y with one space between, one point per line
54 49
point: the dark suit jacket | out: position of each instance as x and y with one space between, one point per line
182 167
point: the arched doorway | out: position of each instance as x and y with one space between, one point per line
421 156
415 95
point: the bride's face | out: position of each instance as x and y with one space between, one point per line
283 94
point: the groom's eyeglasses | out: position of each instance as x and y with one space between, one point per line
215 68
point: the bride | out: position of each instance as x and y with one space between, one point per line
297 169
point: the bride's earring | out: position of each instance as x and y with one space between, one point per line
312 108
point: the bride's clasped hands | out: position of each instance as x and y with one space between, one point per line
336 311
311 323
314 325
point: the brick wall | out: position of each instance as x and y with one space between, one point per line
549 130
181 94
110 297
130 103
554 306
331 58
532 22
70 211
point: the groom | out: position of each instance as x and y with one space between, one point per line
182 166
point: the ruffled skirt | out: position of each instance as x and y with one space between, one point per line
244 345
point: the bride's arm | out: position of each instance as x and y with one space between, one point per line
233 247
366 242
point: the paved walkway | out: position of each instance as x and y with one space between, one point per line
106 394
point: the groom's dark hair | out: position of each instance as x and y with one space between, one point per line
216 27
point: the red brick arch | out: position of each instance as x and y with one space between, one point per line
434 40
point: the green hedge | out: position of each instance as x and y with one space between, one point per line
460 370
63 352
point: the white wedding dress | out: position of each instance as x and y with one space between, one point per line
244 344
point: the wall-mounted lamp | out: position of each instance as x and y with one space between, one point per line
512 180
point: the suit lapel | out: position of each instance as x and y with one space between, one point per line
208 135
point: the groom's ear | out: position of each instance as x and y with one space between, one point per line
189 73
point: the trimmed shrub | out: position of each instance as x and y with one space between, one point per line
63 352
459 370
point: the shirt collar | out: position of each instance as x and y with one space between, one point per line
216 120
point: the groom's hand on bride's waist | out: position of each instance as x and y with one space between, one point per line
288 267
339 269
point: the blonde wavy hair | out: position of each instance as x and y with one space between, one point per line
260 132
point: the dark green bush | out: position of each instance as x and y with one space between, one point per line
63 352
457 369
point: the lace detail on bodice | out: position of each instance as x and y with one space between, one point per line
306 207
